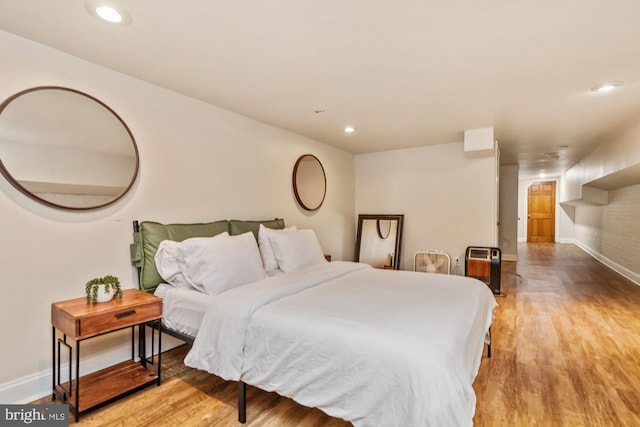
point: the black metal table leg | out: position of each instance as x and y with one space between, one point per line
53 364
142 345
159 351
77 381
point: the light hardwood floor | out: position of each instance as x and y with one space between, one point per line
566 352
566 344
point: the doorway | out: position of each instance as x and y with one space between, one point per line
541 212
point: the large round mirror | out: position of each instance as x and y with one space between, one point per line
309 182
65 148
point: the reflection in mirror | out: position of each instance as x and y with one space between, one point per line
309 182
384 228
65 148
372 247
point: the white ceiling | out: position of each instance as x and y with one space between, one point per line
404 73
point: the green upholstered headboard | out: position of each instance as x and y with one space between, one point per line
239 227
147 236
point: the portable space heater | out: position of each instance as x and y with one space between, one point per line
484 264
432 262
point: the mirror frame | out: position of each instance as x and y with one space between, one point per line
378 218
295 183
14 182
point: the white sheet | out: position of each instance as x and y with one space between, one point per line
375 347
183 309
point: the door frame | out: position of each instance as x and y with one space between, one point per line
523 207
554 185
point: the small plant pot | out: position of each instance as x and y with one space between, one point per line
104 296
95 289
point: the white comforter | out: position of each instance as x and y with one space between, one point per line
374 347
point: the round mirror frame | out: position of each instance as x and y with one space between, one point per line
5 172
296 186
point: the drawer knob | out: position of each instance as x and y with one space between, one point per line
125 314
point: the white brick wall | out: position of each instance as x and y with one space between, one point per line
613 231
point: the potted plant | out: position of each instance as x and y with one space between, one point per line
102 289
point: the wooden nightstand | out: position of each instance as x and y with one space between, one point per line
79 320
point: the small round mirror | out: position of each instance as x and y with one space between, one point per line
66 149
309 182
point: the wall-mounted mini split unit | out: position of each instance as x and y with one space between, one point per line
484 264
432 262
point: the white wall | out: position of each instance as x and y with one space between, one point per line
447 198
565 213
611 233
616 158
197 163
508 241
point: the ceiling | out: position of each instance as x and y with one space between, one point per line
403 73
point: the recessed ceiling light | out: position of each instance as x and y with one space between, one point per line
349 129
106 12
541 175
109 14
607 87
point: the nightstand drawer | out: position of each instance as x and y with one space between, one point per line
117 319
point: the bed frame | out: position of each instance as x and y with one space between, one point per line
138 250
141 248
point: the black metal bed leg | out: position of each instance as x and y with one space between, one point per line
242 402
489 345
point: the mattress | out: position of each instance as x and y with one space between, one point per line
183 309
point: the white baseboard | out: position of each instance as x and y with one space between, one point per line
38 385
509 257
26 389
623 271
566 240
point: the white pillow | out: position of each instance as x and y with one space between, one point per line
168 263
296 249
215 264
269 260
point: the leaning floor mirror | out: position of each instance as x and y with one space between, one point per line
379 240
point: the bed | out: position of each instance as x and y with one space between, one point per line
374 347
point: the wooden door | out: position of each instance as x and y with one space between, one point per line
541 212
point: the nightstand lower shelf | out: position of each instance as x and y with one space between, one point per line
106 384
